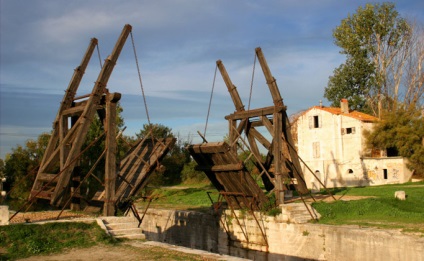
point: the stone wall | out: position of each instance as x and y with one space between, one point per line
183 228
272 238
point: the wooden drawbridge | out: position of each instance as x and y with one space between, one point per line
228 175
58 179
280 170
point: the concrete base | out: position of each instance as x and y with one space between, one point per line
278 238
4 215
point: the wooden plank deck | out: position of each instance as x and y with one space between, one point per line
228 174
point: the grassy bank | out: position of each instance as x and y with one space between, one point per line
185 197
23 240
381 209
71 240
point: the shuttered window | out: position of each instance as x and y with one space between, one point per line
314 122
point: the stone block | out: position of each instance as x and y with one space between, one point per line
4 215
400 194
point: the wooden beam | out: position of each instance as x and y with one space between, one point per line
268 124
260 138
278 162
110 168
45 177
77 110
255 113
232 124
221 168
210 147
232 89
270 80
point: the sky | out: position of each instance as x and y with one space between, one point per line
177 44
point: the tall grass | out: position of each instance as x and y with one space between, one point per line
23 240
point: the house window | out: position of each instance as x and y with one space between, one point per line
314 122
385 173
351 130
315 149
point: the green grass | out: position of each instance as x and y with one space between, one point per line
382 210
181 197
23 240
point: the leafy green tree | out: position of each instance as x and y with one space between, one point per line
174 161
2 168
190 174
401 132
355 74
158 130
372 40
21 166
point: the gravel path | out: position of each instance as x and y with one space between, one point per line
26 217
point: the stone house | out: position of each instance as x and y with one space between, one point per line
331 143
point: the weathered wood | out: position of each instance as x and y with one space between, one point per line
270 80
40 194
64 147
77 110
268 125
296 168
138 165
240 115
232 89
262 140
87 116
232 135
110 169
221 168
69 96
252 142
51 154
211 147
278 101
278 161
75 189
46 177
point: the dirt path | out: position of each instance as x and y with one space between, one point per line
134 250
116 253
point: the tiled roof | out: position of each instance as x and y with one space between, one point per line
353 114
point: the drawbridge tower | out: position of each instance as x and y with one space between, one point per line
280 170
58 179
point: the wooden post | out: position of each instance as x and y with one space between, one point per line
270 80
64 148
278 161
110 169
232 134
76 179
232 89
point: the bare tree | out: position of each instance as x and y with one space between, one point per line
404 76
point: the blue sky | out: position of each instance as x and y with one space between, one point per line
178 43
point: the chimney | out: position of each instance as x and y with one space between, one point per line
344 106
